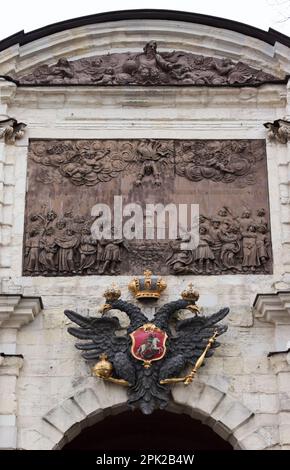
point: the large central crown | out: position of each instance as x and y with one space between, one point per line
147 286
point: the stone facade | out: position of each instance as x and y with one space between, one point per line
242 393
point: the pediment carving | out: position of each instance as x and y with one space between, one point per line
147 68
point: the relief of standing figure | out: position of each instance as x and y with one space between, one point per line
87 249
203 254
32 252
111 255
67 243
250 252
48 251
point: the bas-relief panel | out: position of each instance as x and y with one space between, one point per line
67 178
147 68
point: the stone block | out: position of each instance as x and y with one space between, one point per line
87 400
65 416
236 415
284 430
284 382
270 435
253 442
284 401
7 420
8 437
233 365
33 439
189 395
256 365
269 403
208 400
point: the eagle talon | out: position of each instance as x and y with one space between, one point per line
104 308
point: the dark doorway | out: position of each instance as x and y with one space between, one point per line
160 431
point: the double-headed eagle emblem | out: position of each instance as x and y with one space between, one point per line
152 354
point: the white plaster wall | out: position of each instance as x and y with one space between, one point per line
52 369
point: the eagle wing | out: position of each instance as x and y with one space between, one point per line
193 334
101 335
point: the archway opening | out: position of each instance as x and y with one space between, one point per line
160 431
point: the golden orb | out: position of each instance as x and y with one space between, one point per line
103 368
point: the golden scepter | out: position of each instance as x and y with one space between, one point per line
189 378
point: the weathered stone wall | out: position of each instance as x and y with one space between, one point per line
239 392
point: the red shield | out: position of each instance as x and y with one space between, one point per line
148 344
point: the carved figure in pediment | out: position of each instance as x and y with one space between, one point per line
61 72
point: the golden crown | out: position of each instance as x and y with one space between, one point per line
112 293
190 294
148 286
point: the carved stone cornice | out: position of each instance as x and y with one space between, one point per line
273 308
16 310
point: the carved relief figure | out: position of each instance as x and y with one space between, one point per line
180 261
250 249
111 257
87 250
32 252
203 254
66 243
48 248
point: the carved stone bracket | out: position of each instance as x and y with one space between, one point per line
11 130
15 311
278 130
275 309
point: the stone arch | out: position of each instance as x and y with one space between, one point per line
228 417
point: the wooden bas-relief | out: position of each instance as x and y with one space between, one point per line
67 178
147 68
